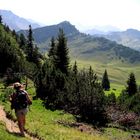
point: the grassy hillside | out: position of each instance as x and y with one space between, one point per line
46 124
101 50
98 52
4 135
84 46
58 125
118 72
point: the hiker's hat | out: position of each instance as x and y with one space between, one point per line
17 85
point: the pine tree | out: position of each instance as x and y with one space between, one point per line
15 35
6 27
52 51
131 85
75 69
23 43
0 19
30 45
105 81
62 58
11 57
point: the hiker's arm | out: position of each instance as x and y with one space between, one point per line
10 97
28 99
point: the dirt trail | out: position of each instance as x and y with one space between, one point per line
11 126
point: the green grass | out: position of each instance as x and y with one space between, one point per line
118 73
117 134
5 135
44 123
115 88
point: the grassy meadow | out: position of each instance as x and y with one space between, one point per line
46 124
118 72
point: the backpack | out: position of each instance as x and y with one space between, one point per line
19 100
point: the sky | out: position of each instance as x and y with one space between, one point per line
84 14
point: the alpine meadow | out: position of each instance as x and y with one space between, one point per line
82 86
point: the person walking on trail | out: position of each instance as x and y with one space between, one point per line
19 102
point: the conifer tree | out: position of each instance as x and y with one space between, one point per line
131 85
105 81
52 51
33 54
0 19
30 45
6 27
14 34
62 58
23 43
75 68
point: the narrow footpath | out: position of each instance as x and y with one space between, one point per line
11 126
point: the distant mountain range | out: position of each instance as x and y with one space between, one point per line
15 22
84 46
103 30
130 38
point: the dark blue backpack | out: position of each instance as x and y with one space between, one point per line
20 100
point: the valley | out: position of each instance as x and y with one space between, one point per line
82 86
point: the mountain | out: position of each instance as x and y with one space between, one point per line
102 50
84 46
103 30
15 22
43 34
130 38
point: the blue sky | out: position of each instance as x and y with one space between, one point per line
84 14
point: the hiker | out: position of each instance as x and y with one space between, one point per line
20 102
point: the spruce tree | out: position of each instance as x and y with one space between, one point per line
52 51
131 85
33 54
23 43
0 19
30 45
75 70
15 35
6 27
105 81
62 58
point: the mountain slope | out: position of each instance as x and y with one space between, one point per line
103 50
84 46
130 38
15 22
42 34
12 58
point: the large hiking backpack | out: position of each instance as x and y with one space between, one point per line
19 100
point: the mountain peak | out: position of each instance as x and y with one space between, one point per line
65 22
47 32
5 11
15 22
132 30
